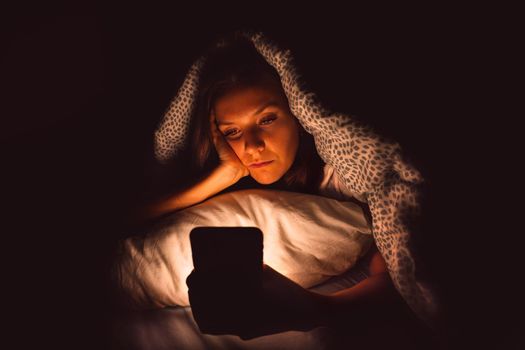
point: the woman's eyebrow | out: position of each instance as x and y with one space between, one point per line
271 103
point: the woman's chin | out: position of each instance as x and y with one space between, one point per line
265 179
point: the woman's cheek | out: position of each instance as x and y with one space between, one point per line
236 146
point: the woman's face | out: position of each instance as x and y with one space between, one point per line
258 125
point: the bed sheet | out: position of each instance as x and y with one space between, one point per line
175 328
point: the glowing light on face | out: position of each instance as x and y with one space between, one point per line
258 125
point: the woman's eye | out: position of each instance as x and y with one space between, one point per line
229 132
268 120
265 121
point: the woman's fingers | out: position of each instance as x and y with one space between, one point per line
223 305
226 154
214 130
220 305
218 139
205 303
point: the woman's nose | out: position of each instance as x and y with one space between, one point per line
254 142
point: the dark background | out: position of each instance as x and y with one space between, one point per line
84 88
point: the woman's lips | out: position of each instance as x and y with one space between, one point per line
258 165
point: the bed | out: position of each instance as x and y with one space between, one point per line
318 242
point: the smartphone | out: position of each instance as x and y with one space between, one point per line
233 249
229 261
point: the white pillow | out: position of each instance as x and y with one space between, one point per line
307 238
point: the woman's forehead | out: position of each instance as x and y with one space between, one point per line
248 102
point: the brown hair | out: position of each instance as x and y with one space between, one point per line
233 63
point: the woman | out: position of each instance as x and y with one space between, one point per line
244 135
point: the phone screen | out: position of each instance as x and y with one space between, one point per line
237 249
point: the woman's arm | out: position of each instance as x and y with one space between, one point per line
220 178
230 170
369 298
304 310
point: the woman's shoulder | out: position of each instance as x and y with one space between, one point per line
333 186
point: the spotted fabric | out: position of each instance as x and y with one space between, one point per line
369 165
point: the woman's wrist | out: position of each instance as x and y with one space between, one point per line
317 315
229 173
323 310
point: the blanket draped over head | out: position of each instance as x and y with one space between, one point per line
369 165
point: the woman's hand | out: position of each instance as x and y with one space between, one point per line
227 156
278 305
287 306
